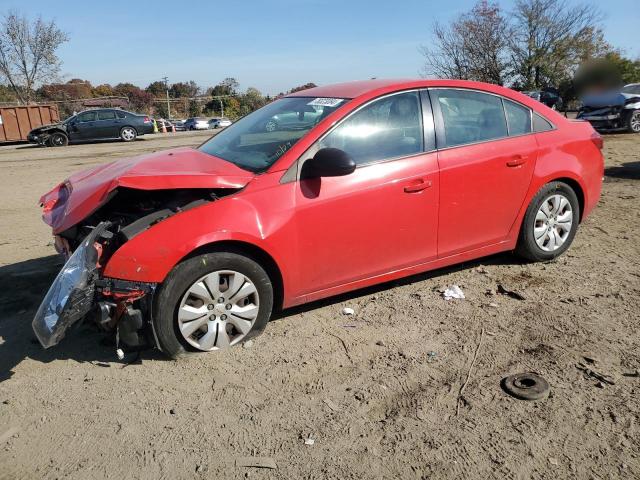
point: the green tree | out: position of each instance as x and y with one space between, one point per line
138 99
157 89
184 89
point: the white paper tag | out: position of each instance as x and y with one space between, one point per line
325 102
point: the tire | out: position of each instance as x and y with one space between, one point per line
633 121
544 237
57 139
175 299
128 134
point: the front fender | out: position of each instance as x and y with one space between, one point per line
151 255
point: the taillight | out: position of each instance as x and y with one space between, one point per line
597 140
147 120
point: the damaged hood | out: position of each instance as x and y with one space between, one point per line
86 191
610 99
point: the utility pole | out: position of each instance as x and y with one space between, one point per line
221 108
166 86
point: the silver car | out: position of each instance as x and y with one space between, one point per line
196 123
219 122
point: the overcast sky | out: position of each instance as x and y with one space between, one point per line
272 45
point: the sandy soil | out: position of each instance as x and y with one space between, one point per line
378 391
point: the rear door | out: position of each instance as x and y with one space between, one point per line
107 122
486 159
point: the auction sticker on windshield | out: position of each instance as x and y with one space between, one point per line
325 102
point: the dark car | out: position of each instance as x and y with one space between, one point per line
550 97
102 124
613 111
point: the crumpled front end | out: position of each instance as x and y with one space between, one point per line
608 111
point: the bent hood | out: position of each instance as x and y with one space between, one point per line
610 99
86 191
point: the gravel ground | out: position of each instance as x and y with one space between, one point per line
409 386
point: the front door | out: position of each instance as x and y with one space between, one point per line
382 217
83 127
486 161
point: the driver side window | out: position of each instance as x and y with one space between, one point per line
387 128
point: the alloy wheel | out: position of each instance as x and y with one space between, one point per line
128 134
635 121
553 222
218 310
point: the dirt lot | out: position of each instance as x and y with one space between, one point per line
378 392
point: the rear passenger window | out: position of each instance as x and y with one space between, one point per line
470 116
518 118
541 124
106 115
387 128
121 115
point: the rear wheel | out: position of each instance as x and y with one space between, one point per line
212 302
633 121
128 134
58 139
550 223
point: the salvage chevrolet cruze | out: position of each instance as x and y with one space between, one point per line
321 192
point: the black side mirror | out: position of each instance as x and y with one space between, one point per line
328 162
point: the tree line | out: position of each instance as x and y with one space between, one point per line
538 44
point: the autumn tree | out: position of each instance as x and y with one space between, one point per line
28 53
472 47
157 89
184 89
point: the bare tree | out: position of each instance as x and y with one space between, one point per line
551 38
473 47
27 53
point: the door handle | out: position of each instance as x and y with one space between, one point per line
516 161
418 186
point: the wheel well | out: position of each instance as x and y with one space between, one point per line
258 255
575 186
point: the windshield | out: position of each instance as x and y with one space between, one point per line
256 141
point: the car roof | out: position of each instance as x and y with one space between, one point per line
375 87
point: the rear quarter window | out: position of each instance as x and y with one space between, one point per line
518 118
541 124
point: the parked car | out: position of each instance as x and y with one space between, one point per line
196 123
100 124
179 124
191 249
551 98
219 122
301 120
611 111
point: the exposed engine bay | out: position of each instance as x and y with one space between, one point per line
81 292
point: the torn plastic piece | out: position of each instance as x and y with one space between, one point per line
453 292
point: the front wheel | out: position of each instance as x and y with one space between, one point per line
58 140
550 223
633 121
212 302
128 134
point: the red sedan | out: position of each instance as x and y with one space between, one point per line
321 192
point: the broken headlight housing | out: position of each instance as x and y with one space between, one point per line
71 294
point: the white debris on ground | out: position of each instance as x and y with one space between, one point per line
348 311
452 292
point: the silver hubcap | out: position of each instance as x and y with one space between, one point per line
58 140
218 310
128 134
635 122
553 223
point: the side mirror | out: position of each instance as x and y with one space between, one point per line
328 162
